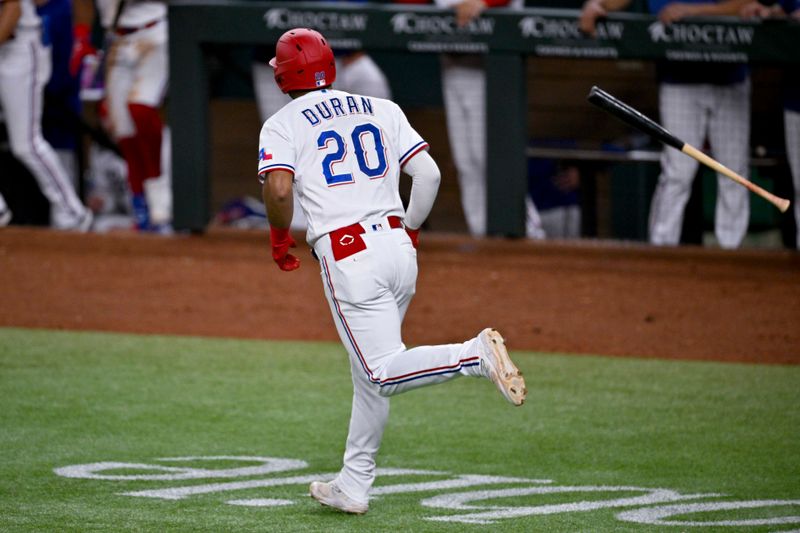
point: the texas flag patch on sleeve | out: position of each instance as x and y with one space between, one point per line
263 155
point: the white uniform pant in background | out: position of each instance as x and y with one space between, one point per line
359 76
690 112
24 69
464 90
791 120
368 294
137 74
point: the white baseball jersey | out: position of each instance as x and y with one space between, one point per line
345 151
136 13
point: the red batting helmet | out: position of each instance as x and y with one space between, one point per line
303 60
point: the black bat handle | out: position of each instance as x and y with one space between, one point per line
630 116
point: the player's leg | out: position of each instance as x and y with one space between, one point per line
135 86
408 369
683 115
791 120
24 69
368 416
534 229
729 136
119 81
464 91
368 320
144 101
368 294
358 73
158 190
370 411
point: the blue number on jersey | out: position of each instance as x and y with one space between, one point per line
340 153
333 158
361 154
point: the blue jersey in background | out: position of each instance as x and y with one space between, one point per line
62 104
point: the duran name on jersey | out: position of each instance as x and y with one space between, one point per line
338 107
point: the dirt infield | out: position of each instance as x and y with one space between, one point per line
586 297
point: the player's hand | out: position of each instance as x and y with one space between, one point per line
413 234
281 242
675 12
754 10
592 10
468 10
81 47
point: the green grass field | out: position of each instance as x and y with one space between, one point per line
605 428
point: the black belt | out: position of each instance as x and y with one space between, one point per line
127 30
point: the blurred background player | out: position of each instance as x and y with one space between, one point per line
106 182
356 72
135 85
696 100
791 97
464 94
25 67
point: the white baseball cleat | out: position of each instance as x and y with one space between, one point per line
497 366
85 222
82 224
331 495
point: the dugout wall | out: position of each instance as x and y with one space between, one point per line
506 37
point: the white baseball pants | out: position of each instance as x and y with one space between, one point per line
464 90
691 112
138 66
24 69
791 121
368 294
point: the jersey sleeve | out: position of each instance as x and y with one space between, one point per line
410 142
275 152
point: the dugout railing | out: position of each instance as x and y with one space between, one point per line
506 37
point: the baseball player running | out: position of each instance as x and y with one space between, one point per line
24 70
341 154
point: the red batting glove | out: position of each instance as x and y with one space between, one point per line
281 242
81 47
414 235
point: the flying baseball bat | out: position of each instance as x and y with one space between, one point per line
630 116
